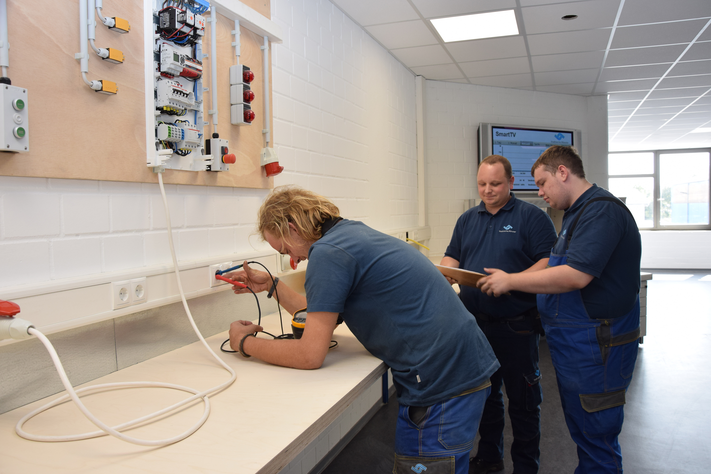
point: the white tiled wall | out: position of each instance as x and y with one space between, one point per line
453 113
344 115
53 229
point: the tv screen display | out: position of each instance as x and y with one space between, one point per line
522 146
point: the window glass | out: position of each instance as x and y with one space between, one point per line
630 163
638 194
684 188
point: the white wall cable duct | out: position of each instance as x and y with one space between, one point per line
4 44
83 55
213 66
265 57
116 430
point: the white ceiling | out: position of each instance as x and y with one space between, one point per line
652 57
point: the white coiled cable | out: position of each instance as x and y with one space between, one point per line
116 430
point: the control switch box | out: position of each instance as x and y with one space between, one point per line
14 122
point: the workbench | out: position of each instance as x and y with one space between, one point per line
270 418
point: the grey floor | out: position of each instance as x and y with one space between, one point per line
667 427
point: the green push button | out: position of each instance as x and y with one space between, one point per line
18 104
19 132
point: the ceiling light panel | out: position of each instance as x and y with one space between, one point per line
477 26
439 8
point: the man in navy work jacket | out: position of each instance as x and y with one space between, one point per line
400 308
513 235
589 304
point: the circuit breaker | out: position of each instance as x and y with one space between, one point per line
179 28
14 123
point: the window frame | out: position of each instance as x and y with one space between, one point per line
656 199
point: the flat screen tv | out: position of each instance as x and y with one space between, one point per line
522 145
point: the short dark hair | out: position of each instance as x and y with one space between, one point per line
492 159
558 155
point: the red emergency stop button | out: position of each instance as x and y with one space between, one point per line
229 158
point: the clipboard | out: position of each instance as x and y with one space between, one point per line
463 277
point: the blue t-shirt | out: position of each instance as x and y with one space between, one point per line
606 244
402 310
513 239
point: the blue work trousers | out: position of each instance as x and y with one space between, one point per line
515 344
439 442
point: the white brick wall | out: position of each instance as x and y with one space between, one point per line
344 115
52 229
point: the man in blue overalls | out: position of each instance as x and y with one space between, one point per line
588 298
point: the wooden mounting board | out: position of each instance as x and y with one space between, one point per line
76 133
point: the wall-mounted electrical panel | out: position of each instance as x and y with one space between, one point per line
178 31
14 123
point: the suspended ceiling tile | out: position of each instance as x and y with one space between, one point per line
694 92
650 55
565 77
690 68
564 62
444 8
422 55
377 12
668 102
439 73
516 81
614 96
634 72
636 12
591 15
700 80
533 3
403 35
698 50
568 42
617 86
496 67
571 89
494 48
656 34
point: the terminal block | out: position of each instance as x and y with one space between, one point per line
182 136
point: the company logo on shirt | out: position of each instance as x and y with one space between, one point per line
419 468
508 228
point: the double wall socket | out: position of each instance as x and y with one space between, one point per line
213 269
129 292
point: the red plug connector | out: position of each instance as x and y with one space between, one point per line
235 283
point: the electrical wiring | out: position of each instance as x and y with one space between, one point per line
259 318
116 430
